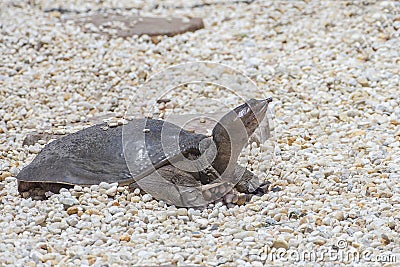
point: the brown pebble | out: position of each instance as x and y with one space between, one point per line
241 200
216 234
67 96
363 82
280 244
91 212
4 175
196 234
91 260
72 210
163 100
319 242
385 239
155 39
125 237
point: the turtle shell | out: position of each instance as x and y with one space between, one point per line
108 154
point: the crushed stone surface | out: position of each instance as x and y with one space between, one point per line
332 68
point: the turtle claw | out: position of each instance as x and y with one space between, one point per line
262 189
253 185
248 181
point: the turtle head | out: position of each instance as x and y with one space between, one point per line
241 122
251 114
233 130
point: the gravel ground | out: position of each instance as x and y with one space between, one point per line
332 68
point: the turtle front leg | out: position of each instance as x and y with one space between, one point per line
176 187
249 183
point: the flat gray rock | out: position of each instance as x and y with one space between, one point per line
125 26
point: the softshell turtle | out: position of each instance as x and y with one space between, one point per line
170 163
